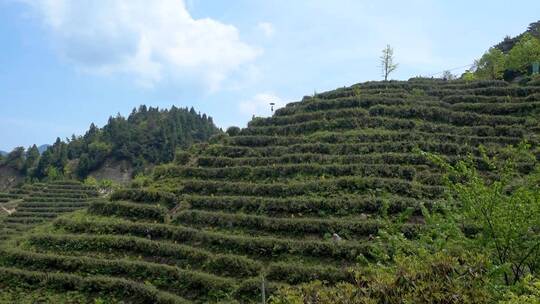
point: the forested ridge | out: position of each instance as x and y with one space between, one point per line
147 136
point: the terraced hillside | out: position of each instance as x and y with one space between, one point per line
8 203
299 196
38 203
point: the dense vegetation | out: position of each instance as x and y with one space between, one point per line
512 58
366 191
146 136
508 43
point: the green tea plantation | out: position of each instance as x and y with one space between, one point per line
296 197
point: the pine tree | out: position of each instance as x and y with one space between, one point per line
32 159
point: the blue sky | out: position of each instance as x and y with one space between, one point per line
65 64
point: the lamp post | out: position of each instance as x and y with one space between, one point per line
272 104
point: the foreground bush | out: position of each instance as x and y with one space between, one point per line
437 278
506 209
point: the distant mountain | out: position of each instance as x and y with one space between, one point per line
3 153
42 148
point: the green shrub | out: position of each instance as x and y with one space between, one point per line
187 283
308 206
128 210
427 279
256 246
508 213
288 171
120 288
145 196
528 292
343 185
186 256
233 131
182 157
285 226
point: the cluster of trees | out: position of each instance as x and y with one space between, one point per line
21 160
147 136
508 61
508 43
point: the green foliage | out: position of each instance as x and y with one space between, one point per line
16 159
468 76
290 171
342 185
184 282
233 131
357 91
96 155
528 292
117 288
266 202
140 180
265 247
56 156
512 57
535 80
437 278
182 255
305 206
147 136
53 174
25 296
524 53
182 157
32 159
145 195
290 227
507 213
491 65
416 92
128 210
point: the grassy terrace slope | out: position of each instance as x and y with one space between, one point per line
266 201
39 203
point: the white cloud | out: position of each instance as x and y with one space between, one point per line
260 106
151 40
266 28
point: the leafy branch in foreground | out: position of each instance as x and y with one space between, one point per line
504 205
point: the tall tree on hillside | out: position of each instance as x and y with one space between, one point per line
447 75
32 159
15 159
43 164
491 65
387 62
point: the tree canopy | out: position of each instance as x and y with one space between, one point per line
147 136
516 58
